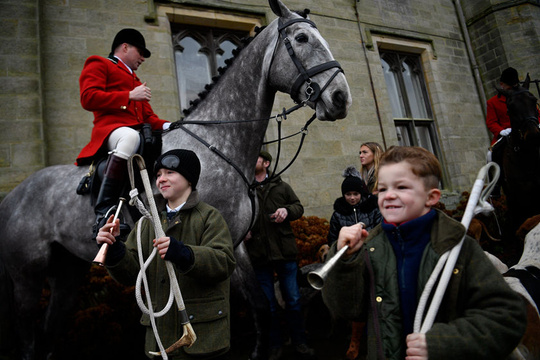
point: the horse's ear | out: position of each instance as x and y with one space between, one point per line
527 82
278 8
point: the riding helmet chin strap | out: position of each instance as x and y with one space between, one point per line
313 89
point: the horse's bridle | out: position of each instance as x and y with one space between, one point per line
313 90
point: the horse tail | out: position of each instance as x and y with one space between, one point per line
7 320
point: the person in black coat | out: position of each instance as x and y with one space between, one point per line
356 205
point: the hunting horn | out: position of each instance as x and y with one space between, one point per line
102 254
316 278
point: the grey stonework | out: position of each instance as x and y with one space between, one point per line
43 46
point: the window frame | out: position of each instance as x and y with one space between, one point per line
424 50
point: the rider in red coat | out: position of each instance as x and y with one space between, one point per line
497 118
110 89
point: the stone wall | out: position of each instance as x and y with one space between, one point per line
21 121
504 33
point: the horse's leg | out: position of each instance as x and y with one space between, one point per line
26 296
8 338
246 283
66 274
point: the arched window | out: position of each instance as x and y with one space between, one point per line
199 52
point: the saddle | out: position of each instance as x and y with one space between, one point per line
149 149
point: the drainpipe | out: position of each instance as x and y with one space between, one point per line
370 74
474 65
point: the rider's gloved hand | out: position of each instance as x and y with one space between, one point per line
180 254
505 132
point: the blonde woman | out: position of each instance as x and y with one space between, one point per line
370 153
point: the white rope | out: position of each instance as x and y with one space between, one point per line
477 203
174 288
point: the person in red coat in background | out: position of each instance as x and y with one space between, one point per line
497 119
110 89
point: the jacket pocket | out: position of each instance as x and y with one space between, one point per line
210 321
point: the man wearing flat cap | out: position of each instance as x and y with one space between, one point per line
271 246
110 89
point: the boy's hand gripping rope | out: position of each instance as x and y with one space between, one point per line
477 204
189 337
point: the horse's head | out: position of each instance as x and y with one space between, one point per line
300 49
523 112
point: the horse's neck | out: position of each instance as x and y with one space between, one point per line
242 93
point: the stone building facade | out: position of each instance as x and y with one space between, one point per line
453 49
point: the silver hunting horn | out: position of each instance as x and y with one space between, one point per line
316 278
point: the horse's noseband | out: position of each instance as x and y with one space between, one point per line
313 90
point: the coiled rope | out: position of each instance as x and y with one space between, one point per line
477 204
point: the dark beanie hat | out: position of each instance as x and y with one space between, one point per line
353 182
265 155
185 162
510 76
132 37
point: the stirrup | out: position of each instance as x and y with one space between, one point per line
101 220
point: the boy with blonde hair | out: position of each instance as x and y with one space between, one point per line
382 274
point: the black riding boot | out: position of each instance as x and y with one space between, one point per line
111 188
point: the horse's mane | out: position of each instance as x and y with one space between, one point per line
244 42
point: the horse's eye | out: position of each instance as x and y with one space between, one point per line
301 38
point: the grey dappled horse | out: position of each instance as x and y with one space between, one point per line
45 227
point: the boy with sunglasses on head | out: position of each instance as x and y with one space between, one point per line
197 241
383 274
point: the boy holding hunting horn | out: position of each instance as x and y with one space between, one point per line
197 241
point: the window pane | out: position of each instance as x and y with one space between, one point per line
415 95
425 138
404 136
396 101
227 47
193 70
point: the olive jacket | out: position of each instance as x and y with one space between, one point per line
271 241
480 317
205 285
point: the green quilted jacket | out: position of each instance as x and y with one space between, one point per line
480 317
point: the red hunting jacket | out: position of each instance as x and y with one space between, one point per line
497 118
105 84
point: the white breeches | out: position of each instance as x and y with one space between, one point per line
123 142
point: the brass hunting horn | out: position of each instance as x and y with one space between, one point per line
316 278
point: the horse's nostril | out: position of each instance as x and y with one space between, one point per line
339 99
